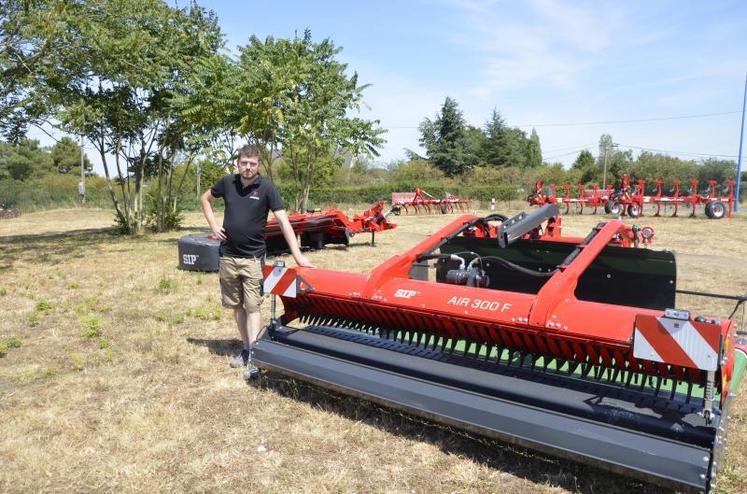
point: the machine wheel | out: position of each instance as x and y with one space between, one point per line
634 210
613 208
715 210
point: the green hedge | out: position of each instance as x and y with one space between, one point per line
61 191
372 193
53 191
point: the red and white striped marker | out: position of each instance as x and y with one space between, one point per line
677 342
280 281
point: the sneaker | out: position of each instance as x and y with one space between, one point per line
240 360
251 372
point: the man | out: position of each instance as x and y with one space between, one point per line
248 198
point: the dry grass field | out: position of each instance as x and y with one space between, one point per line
121 379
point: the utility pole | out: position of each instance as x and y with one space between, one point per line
741 139
198 170
82 183
604 176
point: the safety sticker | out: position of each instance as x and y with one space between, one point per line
280 281
679 342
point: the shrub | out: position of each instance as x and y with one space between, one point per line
91 327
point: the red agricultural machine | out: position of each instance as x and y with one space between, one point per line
199 252
630 199
332 226
715 206
585 198
504 327
422 202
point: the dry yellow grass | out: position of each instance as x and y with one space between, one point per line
121 382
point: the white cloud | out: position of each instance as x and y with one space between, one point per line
549 45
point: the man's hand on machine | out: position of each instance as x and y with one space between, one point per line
219 233
303 261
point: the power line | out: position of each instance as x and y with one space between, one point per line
687 153
547 158
636 120
607 122
568 147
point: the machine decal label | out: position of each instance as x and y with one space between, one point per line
402 293
476 303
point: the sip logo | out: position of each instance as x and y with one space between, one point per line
402 293
189 259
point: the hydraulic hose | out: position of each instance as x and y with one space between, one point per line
740 363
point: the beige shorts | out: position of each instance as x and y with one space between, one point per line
241 283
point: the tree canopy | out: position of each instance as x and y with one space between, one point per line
445 139
105 69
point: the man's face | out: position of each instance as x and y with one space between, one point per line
248 166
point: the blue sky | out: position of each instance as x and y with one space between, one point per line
542 63
538 62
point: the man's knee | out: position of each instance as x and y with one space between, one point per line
251 304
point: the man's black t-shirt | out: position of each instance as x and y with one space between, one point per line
245 214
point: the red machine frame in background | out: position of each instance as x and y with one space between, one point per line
629 199
421 201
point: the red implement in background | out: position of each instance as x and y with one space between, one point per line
422 202
630 199
200 252
319 228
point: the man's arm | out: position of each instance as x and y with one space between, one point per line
207 210
290 238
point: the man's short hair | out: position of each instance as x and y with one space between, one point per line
249 151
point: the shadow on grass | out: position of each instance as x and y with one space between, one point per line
225 347
49 248
517 461
280 251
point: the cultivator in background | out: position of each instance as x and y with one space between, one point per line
199 252
506 328
593 198
421 202
630 199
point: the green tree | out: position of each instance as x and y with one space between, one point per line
474 139
412 173
586 167
534 150
105 69
66 156
714 169
292 98
504 146
209 110
317 124
446 140
651 166
606 148
22 160
618 163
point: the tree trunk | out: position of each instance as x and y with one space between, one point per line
115 202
